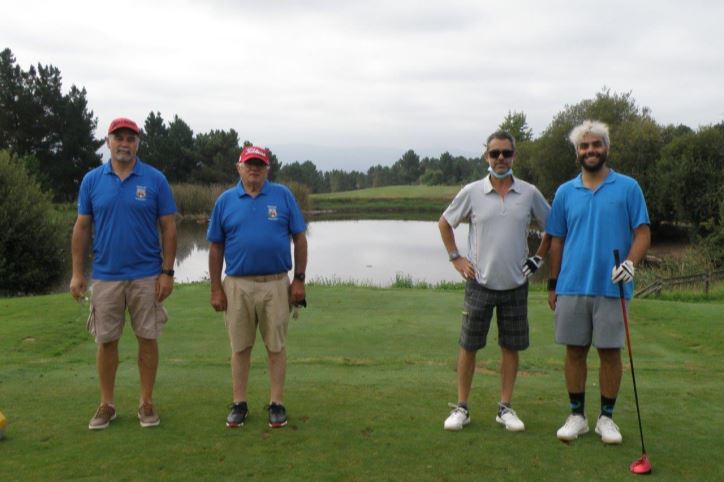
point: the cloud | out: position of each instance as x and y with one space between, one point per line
389 74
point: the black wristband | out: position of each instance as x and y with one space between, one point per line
552 284
300 276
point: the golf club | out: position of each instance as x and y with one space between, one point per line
642 465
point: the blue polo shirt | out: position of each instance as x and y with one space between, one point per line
256 231
125 213
593 224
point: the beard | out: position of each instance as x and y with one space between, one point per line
595 167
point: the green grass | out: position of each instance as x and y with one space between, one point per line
370 373
394 192
389 202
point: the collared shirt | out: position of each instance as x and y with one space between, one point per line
125 214
593 223
255 231
498 233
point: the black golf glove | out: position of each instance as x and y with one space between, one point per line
531 265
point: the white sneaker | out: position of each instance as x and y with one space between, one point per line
608 430
575 425
457 419
511 421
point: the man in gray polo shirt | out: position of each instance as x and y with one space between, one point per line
499 208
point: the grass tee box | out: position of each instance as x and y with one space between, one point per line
370 374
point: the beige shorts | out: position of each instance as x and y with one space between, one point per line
109 301
253 301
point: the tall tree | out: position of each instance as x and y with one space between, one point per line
39 122
408 167
516 124
555 157
217 152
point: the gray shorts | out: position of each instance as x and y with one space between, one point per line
512 315
589 320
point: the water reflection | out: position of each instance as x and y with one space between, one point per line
366 251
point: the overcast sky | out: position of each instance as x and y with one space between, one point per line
313 77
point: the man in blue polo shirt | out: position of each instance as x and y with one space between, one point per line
598 211
121 203
250 229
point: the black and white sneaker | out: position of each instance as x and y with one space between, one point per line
237 415
277 415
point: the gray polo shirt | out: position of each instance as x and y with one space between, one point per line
498 232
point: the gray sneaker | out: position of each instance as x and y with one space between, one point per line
103 417
147 416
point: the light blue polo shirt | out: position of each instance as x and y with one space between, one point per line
125 213
256 231
593 224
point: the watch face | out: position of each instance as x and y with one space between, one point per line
299 276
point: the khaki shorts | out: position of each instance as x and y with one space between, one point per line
109 301
257 301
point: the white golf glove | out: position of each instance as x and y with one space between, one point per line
531 265
624 272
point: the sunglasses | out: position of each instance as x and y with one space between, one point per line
495 153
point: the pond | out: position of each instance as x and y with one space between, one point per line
368 252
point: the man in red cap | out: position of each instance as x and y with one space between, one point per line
250 228
126 200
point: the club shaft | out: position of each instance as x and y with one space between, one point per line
630 354
633 372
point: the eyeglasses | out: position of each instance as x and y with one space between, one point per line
495 153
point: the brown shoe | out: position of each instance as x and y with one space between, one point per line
103 417
147 415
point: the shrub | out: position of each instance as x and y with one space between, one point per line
32 236
302 194
196 199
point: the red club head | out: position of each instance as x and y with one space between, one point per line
641 466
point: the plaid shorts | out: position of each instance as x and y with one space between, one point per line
511 313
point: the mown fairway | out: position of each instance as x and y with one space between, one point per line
370 374
398 202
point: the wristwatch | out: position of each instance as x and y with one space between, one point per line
453 255
299 276
168 272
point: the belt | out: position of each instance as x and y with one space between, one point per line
263 278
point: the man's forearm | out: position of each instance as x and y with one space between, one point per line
447 234
544 246
168 244
79 246
554 257
300 253
216 263
640 244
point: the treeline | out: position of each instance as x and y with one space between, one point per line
49 135
680 170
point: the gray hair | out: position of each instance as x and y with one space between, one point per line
589 127
502 135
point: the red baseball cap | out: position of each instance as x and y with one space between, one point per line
123 123
254 152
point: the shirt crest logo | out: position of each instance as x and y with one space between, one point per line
271 212
141 193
